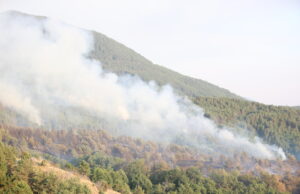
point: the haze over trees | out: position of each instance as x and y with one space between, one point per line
119 59
275 124
131 166
269 122
87 147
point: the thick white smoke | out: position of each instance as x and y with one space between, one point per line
44 66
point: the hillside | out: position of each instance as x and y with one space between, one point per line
223 106
47 167
132 166
120 59
278 125
97 132
18 174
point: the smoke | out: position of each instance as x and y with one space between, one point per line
45 68
10 97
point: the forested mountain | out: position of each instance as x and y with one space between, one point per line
120 59
83 143
275 124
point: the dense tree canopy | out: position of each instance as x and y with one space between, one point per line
17 175
275 124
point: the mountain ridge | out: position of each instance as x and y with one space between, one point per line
117 58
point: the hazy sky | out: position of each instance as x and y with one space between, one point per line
249 47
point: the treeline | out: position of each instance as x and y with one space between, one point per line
275 124
117 58
111 163
137 178
17 175
70 144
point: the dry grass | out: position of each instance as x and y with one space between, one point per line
64 174
109 191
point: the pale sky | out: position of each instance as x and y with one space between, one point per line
251 47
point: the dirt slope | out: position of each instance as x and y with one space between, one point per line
63 174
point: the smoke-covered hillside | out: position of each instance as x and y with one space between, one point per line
56 79
48 75
120 59
278 125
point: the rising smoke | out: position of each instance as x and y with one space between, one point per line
45 68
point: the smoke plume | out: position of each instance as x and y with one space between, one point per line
45 68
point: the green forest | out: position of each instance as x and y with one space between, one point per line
277 125
133 176
18 176
118 58
129 165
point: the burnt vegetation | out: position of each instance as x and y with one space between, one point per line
131 165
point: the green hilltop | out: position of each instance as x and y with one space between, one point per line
117 58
